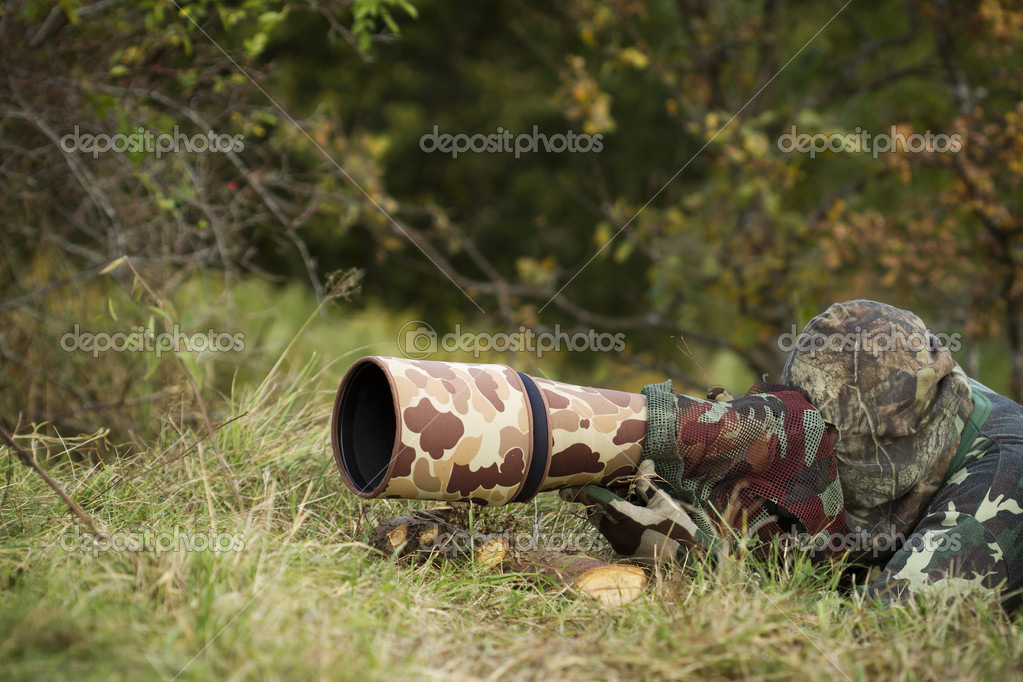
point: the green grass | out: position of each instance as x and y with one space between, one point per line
305 599
301 597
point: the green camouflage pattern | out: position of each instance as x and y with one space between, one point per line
898 400
971 535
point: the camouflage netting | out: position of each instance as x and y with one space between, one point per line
765 460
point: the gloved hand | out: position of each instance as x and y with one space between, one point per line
655 530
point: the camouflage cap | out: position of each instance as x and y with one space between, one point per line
899 402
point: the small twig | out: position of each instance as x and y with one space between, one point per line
58 19
31 464
270 200
692 356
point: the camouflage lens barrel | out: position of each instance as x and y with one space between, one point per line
426 430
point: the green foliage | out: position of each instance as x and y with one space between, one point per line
689 222
367 14
690 217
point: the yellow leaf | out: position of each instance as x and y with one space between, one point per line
113 265
634 58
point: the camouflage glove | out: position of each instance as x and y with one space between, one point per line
656 531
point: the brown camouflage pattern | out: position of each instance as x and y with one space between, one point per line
597 434
651 526
464 432
899 402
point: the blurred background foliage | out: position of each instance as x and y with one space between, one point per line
690 231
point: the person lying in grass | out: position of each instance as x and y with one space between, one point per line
875 445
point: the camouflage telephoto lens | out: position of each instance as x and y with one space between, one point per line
427 430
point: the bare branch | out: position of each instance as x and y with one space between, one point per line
28 461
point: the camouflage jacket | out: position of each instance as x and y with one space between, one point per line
971 533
